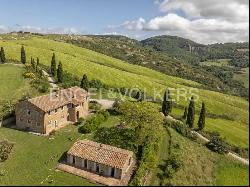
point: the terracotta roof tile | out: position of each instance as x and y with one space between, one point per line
100 153
58 99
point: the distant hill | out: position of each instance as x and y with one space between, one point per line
192 52
168 54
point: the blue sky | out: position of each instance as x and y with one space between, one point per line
90 16
203 21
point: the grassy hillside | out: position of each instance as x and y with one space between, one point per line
243 76
203 167
172 61
117 73
12 83
234 132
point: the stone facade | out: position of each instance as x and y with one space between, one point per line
31 117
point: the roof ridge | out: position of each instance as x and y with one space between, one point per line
81 141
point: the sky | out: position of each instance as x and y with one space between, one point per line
203 21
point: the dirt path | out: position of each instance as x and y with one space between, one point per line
106 104
51 80
231 154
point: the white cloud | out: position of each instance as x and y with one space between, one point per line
231 10
203 21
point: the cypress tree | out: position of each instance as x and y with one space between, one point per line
201 122
85 82
37 64
185 114
167 103
53 65
23 55
2 55
191 113
32 61
60 73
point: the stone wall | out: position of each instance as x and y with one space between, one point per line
29 117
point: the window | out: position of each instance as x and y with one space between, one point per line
37 124
49 122
49 112
29 112
21 119
55 110
29 121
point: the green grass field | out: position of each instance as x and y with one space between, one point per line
235 133
117 73
33 159
243 76
229 173
12 84
200 166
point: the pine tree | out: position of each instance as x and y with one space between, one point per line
201 122
85 82
23 55
185 114
37 64
60 73
2 55
167 103
53 65
191 113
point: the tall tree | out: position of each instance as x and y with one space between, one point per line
53 65
60 72
32 61
23 55
191 113
185 114
85 82
201 122
37 64
2 55
167 103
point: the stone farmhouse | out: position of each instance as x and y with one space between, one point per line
100 159
46 113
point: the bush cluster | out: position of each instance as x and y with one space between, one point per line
5 149
217 144
93 123
29 75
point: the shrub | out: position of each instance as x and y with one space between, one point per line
217 145
93 123
79 122
52 133
29 75
95 84
5 149
86 128
93 105
42 85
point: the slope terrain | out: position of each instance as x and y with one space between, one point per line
117 73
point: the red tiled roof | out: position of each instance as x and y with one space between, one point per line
100 153
58 99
